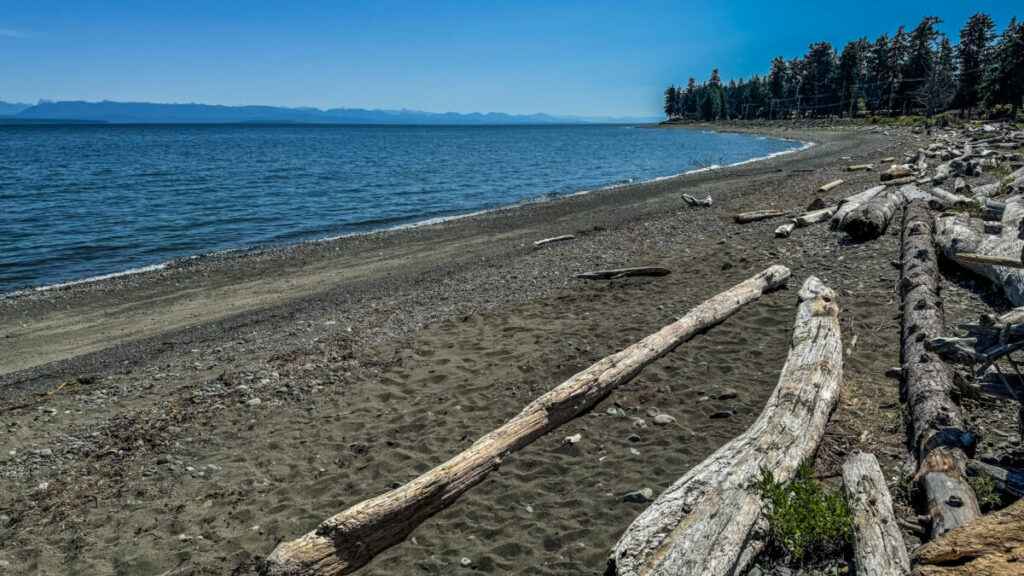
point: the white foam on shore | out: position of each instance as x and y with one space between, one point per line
417 224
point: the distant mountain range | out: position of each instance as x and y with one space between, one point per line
150 113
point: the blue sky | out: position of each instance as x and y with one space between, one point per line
587 58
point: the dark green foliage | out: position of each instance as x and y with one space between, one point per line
805 519
916 72
985 490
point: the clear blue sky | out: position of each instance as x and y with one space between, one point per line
589 57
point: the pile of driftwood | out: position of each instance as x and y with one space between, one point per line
710 522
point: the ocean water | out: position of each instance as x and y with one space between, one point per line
83 201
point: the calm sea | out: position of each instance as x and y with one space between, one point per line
82 201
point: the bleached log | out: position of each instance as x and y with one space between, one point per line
814 216
785 230
897 171
856 167
937 429
691 201
872 218
851 203
831 185
985 260
707 523
350 539
944 199
756 215
553 239
879 549
942 172
624 272
961 234
992 545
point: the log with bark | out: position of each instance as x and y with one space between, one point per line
709 522
937 430
871 219
992 545
350 539
879 549
554 239
624 273
851 203
756 215
959 234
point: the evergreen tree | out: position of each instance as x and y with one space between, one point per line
939 86
898 48
1004 84
670 102
973 53
919 60
690 99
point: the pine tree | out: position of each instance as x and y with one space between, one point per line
670 102
1004 84
939 86
973 53
878 70
919 60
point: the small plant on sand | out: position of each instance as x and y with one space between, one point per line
985 490
806 520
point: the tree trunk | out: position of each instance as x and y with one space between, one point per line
350 539
992 545
709 522
879 549
624 272
871 219
851 203
937 433
958 234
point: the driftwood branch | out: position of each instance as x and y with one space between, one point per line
937 428
554 239
830 186
756 215
691 201
879 549
624 272
350 539
708 522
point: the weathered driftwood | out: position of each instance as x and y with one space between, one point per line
901 181
553 239
937 429
624 272
992 545
851 203
968 258
985 342
814 216
709 521
831 185
1008 480
872 218
943 199
690 200
879 549
896 172
756 215
348 540
960 234
785 230
856 167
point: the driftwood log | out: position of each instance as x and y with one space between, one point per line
691 201
856 167
879 549
851 203
937 429
553 239
709 523
872 218
785 230
985 260
350 539
961 234
624 272
814 216
745 217
992 545
1007 480
831 185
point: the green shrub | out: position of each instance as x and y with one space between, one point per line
985 490
806 519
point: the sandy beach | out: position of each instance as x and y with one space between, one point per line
186 420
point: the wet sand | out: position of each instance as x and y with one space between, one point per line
218 407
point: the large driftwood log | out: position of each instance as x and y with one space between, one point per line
350 539
992 545
745 217
879 549
709 523
851 203
960 234
872 218
937 428
624 272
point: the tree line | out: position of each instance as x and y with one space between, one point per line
912 72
